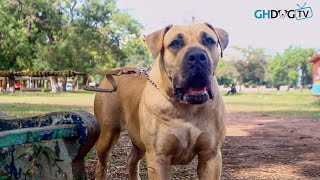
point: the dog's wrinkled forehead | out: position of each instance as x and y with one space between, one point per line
189 33
202 33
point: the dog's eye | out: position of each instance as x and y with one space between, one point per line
209 41
175 44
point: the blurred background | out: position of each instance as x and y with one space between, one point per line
103 34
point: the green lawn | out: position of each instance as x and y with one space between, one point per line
293 103
28 104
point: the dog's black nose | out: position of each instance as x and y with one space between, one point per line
197 56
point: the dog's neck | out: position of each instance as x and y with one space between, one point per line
160 77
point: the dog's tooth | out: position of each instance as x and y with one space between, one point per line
210 93
178 94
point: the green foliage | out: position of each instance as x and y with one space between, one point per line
254 66
139 55
226 73
94 35
248 68
15 50
67 34
278 74
284 68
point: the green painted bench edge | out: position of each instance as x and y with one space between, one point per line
30 135
86 126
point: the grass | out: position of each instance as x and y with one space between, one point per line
294 103
29 104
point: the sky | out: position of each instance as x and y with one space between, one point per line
237 17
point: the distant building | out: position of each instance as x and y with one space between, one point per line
315 73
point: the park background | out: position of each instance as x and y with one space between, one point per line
90 36
271 134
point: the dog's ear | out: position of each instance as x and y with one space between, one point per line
154 41
222 35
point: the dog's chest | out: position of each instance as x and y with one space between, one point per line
184 138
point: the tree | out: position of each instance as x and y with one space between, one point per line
252 65
136 54
15 50
284 68
65 34
226 72
278 71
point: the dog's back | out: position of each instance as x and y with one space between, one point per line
113 112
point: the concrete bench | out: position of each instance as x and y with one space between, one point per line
50 146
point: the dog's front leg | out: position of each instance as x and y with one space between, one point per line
209 168
158 166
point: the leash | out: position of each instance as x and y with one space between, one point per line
108 74
145 72
67 73
118 72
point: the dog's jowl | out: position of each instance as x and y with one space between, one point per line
179 115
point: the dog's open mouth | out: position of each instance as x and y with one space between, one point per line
193 95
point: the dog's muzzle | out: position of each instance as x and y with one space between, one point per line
193 96
197 73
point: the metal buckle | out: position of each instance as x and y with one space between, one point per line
137 73
119 73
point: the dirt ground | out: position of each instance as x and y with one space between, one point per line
257 146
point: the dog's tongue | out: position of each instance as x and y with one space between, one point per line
201 90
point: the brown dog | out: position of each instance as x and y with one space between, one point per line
179 117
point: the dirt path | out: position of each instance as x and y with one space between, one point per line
257 146
264 146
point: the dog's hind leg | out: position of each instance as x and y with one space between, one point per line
107 111
134 158
106 141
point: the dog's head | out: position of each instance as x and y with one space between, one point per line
188 57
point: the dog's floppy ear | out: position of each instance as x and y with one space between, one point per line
154 41
223 36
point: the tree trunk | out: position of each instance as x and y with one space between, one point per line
4 85
54 84
85 80
11 84
303 75
239 79
74 83
64 84
288 88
